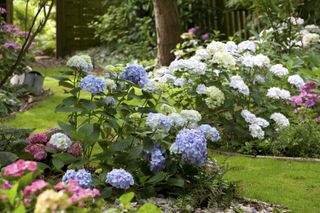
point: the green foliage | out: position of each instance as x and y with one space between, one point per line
12 143
301 140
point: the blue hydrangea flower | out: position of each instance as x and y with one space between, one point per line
120 179
211 133
157 160
159 121
192 145
84 178
135 74
60 141
93 84
177 119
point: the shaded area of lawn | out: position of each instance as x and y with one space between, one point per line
42 116
290 183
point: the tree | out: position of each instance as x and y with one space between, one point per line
168 29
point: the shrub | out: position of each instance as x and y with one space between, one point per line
301 140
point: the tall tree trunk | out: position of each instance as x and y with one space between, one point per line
168 29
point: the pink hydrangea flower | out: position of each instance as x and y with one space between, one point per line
205 37
75 150
2 10
10 45
38 151
41 137
78 194
6 185
34 187
26 201
18 168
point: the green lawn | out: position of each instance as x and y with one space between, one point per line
290 183
42 116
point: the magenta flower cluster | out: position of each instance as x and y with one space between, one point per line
39 142
308 97
18 168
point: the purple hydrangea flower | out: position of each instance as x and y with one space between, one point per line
83 177
120 179
93 84
192 145
157 160
135 74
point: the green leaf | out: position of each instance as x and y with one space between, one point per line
126 199
67 128
66 84
57 163
178 181
135 152
7 157
119 146
20 209
149 208
157 178
12 193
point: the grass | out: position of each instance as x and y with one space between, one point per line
289 183
293 184
42 116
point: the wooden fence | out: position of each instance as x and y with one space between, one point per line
73 32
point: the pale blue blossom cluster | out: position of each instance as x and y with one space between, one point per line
93 84
81 63
193 66
60 141
192 145
136 74
158 121
157 160
211 133
83 177
120 179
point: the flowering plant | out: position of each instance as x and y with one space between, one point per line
144 142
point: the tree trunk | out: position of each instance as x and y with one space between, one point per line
168 29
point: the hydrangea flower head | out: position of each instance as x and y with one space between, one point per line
81 62
84 178
277 93
191 116
38 138
211 133
135 74
93 84
60 141
296 80
158 121
177 119
247 46
238 84
38 151
215 97
18 168
157 160
201 89
192 146
34 187
120 179
280 119
279 70
256 131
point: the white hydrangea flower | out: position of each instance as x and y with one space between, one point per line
313 28
251 118
259 78
202 53
216 46
111 84
238 84
215 97
161 72
180 82
279 70
191 116
61 141
296 20
177 119
247 45
309 39
232 47
224 59
277 93
296 80
201 89
166 78
150 86
280 119
216 72
256 131
193 66
257 60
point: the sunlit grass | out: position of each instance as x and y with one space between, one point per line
289 183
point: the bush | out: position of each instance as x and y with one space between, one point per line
301 140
